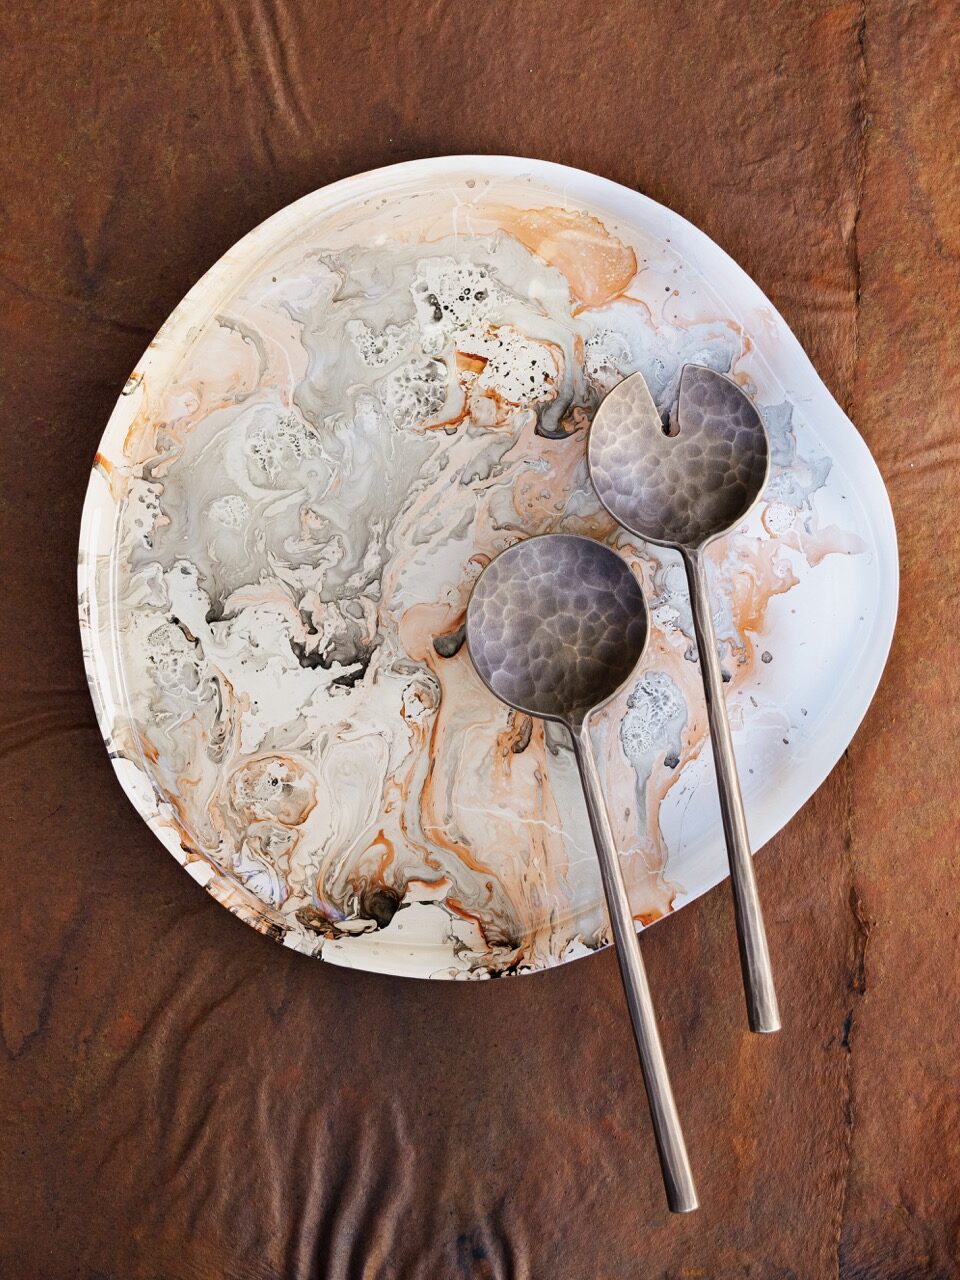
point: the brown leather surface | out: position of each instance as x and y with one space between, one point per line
180 1097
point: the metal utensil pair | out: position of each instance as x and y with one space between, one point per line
557 624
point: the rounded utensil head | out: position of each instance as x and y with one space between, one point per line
683 484
556 625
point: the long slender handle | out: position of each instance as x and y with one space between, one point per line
677 1175
762 1009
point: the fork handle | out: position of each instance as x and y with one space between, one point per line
762 1010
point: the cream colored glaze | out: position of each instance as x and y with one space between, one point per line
304 503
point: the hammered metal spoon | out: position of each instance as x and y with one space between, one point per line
681 485
555 626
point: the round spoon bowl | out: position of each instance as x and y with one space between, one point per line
689 481
556 625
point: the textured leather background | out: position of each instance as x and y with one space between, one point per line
182 1099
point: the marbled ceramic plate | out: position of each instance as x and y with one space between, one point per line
370 395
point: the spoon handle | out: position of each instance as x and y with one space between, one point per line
677 1175
762 1009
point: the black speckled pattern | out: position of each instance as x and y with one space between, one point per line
555 626
682 488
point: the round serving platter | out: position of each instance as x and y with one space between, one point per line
362 402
